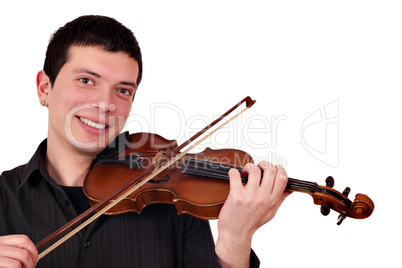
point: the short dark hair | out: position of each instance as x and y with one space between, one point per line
104 32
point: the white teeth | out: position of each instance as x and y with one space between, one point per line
92 124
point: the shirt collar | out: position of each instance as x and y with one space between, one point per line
36 164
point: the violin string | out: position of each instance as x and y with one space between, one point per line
220 171
293 184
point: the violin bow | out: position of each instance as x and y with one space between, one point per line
128 188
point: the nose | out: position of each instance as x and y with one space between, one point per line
105 103
106 106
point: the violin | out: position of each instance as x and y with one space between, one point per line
142 169
197 184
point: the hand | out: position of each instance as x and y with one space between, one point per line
17 251
247 208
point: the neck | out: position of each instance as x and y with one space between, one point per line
219 171
66 164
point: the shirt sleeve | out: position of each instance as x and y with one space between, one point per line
199 246
254 261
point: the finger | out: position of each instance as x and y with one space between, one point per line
235 181
269 174
281 180
14 255
254 175
21 242
7 262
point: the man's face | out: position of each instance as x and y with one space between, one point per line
91 98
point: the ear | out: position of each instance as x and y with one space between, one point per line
43 87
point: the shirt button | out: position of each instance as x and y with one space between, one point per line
86 244
67 202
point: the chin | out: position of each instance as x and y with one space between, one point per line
91 151
89 143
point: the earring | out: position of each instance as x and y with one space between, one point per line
42 103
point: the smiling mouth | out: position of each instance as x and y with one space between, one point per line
88 122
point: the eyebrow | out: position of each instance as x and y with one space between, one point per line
129 84
87 71
133 84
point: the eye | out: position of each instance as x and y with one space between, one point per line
86 81
125 91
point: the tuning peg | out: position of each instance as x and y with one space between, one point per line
326 208
346 191
329 181
341 217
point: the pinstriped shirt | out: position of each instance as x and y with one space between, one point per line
32 203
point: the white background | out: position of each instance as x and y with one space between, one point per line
294 58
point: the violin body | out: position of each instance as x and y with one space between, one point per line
196 195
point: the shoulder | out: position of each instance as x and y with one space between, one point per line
17 176
10 182
12 177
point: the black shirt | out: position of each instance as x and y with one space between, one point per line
32 203
77 197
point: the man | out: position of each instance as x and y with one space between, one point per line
92 70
